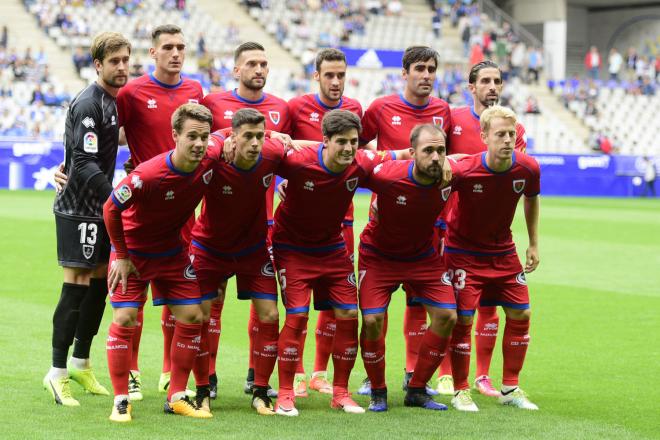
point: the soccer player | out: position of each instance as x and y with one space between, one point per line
251 71
83 248
481 255
399 244
145 108
306 113
485 85
390 119
144 217
310 253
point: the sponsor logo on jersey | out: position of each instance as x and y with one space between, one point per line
274 117
369 354
136 182
458 130
478 188
518 185
490 326
229 114
401 200
267 179
351 279
350 351
88 122
270 348
206 177
88 250
268 270
169 195
123 193
396 120
151 103
444 192
227 190
351 184
309 185
521 279
439 120
193 101
90 142
314 117
291 351
189 273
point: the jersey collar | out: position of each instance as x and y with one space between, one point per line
476 116
318 99
162 84
174 169
412 178
320 155
413 106
252 168
247 101
483 162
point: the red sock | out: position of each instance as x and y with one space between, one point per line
300 368
167 323
445 367
325 336
265 352
215 325
344 351
460 347
432 351
137 336
514 348
119 349
185 346
485 337
373 356
252 326
201 365
414 327
288 350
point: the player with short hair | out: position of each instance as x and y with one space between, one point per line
485 85
390 119
481 255
399 244
251 71
83 248
306 112
144 217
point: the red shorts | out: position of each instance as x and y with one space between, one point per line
255 276
379 277
330 275
487 281
172 280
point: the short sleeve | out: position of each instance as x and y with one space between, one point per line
370 123
533 188
129 190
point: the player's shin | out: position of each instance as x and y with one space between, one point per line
514 349
485 337
201 365
414 327
252 326
167 325
184 349
460 347
344 350
65 321
325 335
265 352
289 351
91 314
119 348
137 337
215 327
432 351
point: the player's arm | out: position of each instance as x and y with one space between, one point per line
532 208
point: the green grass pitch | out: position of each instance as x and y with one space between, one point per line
592 367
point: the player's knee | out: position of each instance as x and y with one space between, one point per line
465 319
100 271
346 314
78 275
125 316
269 315
374 320
518 315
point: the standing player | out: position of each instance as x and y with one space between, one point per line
144 217
400 245
91 139
390 119
306 113
251 71
485 85
145 108
481 255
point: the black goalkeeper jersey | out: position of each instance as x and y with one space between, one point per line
91 139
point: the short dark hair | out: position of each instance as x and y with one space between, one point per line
190 111
247 116
248 45
170 29
486 64
108 42
418 129
329 55
416 54
339 121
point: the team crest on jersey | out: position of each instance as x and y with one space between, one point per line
267 270
267 179
446 279
206 177
189 273
518 185
90 142
88 250
445 193
123 193
521 279
351 184
439 120
351 279
274 117
88 122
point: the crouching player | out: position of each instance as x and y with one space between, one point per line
481 255
398 246
144 216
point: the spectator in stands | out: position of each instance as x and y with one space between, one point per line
631 63
641 68
518 59
650 175
4 37
282 31
394 7
534 64
436 23
614 64
647 88
201 44
81 59
592 62
476 54
605 144
465 37
532 106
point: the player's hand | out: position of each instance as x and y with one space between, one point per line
532 260
285 139
60 178
446 173
119 272
129 166
281 190
229 150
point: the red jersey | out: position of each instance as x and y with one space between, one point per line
157 200
392 118
307 112
310 217
464 133
407 211
233 218
145 107
480 222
